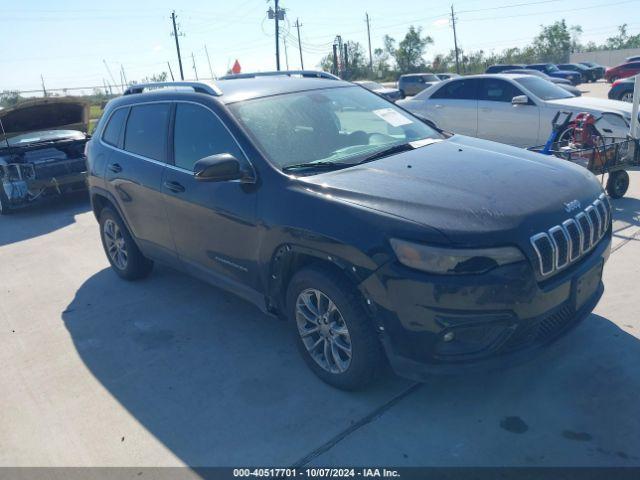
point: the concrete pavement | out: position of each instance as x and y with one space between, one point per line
170 371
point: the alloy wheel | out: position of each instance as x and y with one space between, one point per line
115 243
323 331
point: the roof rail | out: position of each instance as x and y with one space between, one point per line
288 73
198 87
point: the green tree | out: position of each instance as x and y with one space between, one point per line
622 39
9 98
553 43
381 67
409 53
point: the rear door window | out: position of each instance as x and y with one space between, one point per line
458 90
146 132
496 90
113 129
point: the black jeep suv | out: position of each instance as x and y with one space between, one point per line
374 234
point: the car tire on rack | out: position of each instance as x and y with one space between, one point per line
626 97
122 252
617 184
334 333
5 209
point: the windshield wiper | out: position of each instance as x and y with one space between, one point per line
317 166
403 147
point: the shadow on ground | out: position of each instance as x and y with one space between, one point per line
42 218
220 383
626 215
214 379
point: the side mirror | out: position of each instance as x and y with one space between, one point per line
218 168
520 100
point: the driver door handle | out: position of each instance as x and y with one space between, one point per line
439 106
174 187
115 167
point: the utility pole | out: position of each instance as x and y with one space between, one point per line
335 59
213 77
277 15
171 72
298 25
455 39
175 34
193 59
369 38
44 90
345 61
122 83
286 55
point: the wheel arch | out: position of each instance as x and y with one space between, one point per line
288 259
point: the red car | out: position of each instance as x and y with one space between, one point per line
622 71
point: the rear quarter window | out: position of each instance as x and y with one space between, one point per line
146 132
113 129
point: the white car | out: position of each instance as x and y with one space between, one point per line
512 109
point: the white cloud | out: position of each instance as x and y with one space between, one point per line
441 22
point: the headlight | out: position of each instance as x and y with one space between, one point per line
453 260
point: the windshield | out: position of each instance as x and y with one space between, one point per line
43 136
336 125
430 78
543 89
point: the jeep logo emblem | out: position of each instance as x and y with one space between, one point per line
571 206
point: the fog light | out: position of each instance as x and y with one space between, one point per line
448 336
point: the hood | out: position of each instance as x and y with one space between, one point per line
386 90
598 105
45 114
473 191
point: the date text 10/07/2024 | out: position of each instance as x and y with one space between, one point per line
316 472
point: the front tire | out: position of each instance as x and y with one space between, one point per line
122 252
333 332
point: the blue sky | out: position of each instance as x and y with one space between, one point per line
67 41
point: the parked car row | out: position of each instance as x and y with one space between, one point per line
510 108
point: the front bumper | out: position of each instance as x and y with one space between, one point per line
25 191
432 324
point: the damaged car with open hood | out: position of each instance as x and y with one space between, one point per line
42 155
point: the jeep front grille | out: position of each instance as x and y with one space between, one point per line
565 244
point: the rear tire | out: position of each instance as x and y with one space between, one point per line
325 310
617 184
122 252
